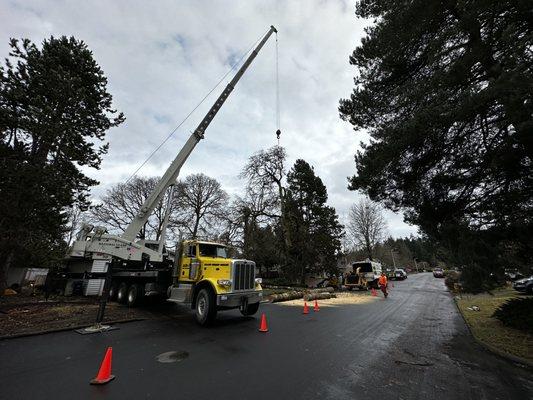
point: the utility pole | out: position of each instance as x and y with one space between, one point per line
393 260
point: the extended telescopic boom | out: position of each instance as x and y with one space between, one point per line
170 176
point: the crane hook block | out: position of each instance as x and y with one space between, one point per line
278 133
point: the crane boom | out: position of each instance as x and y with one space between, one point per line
171 174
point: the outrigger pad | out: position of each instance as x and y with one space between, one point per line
96 329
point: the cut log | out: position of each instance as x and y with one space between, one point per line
286 296
319 296
321 290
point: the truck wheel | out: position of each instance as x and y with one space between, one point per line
122 293
135 295
113 292
206 309
250 309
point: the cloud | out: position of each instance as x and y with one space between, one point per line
162 57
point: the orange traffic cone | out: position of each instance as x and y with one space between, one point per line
316 308
263 327
104 374
306 309
374 292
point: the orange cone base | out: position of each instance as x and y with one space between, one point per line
102 381
264 326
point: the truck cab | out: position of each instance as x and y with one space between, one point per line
208 280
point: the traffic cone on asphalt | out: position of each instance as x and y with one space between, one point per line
306 309
104 374
374 292
263 327
316 308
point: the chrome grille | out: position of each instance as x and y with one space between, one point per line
243 275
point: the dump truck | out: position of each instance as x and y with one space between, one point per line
200 275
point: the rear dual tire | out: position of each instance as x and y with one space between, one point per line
131 295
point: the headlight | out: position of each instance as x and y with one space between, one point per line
224 282
258 281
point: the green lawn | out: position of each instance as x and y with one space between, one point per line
490 330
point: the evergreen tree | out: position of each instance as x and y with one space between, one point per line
445 89
54 113
313 225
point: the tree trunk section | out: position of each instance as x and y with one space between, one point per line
319 296
5 270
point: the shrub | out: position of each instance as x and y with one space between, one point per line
452 280
516 313
477 279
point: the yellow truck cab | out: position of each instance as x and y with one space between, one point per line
207 279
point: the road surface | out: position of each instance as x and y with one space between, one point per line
413 345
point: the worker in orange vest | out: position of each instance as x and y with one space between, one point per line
382 282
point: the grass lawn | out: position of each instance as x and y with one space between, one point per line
490 330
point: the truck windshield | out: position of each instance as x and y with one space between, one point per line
212 250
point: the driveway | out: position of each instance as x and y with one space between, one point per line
413 345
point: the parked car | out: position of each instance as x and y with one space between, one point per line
438 272
524 285
400 274
513 274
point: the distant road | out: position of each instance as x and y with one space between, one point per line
414 345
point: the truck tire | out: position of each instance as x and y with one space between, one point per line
122 293
135 295
250 309
206 308
113 292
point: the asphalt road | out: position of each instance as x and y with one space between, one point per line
413 345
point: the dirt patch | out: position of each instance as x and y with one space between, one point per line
31 315
342 298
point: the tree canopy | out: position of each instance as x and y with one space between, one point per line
445 90
313 227
54 113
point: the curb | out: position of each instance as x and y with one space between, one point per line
70 328
492 349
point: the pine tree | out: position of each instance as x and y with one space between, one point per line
54 112
313 225
445 89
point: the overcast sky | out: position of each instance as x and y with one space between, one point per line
162 57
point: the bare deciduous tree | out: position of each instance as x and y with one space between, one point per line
263 202
202 205
122 202
366 225
198 203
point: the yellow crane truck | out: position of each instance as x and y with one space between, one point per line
200 274
209 280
